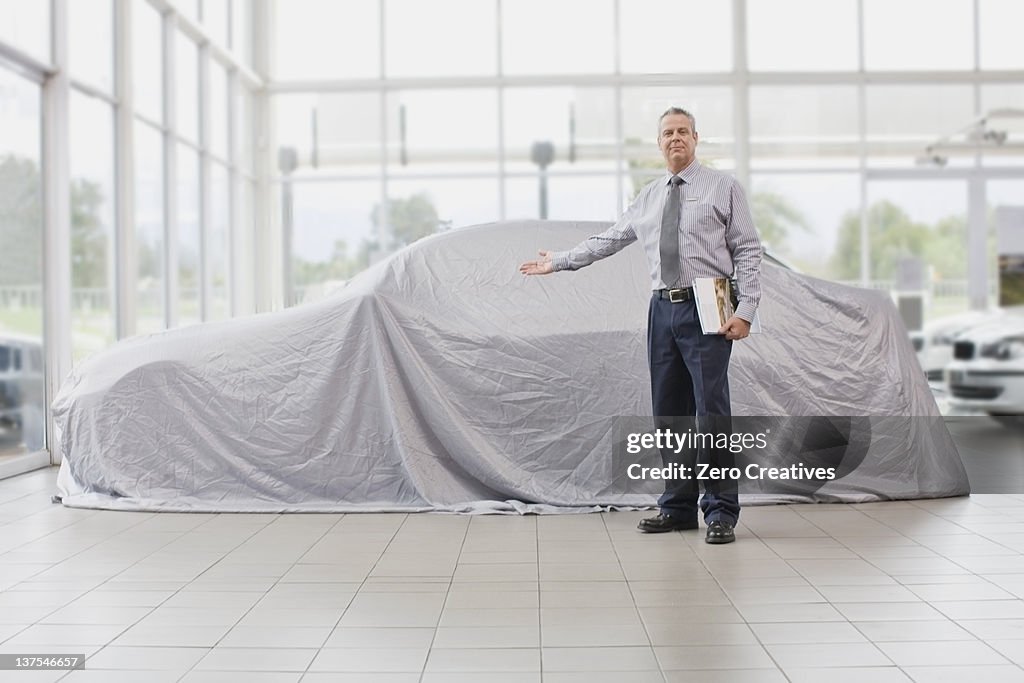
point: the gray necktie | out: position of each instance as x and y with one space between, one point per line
670 235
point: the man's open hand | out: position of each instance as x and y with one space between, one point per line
541 266
735 328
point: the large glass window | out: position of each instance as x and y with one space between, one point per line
462 46
919 225
242 129
149 227
584 198
326 39
186 73
903 119
92 225
26 25
801 35
147 61
218 243
241 30
918 34
581 198
340 228
243 273
1000 23
22 399
578 122
804 217
1000 101
215 18
543 37
90 42
1003 96
999 193
669 36
346 139
418 208
189 237
218 110
335 234
443 130
188 8
804 126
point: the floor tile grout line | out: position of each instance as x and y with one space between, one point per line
276 583
128 627
540 595
214 517
94 513
147 517
764 647
636 607
30 494
1018 553
945 519
444 603
805 578
862 558
886 573
362 583
898 583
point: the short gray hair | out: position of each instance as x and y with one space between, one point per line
675 111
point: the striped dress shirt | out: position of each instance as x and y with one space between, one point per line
717 237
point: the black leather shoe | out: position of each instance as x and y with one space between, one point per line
720 532
663 523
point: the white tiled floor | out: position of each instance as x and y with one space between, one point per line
923 591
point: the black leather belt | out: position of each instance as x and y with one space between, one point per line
676 296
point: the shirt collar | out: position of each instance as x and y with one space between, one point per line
687 174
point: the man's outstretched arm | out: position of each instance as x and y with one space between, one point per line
594 248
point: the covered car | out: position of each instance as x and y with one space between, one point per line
442 379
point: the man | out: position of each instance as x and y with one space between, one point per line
692 222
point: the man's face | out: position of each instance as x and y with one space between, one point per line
677 141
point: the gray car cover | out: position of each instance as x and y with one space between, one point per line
442 379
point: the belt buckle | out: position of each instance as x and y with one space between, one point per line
676 296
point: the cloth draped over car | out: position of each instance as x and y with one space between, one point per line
442 379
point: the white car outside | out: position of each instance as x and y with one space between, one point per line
987 372
934 344
21 391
